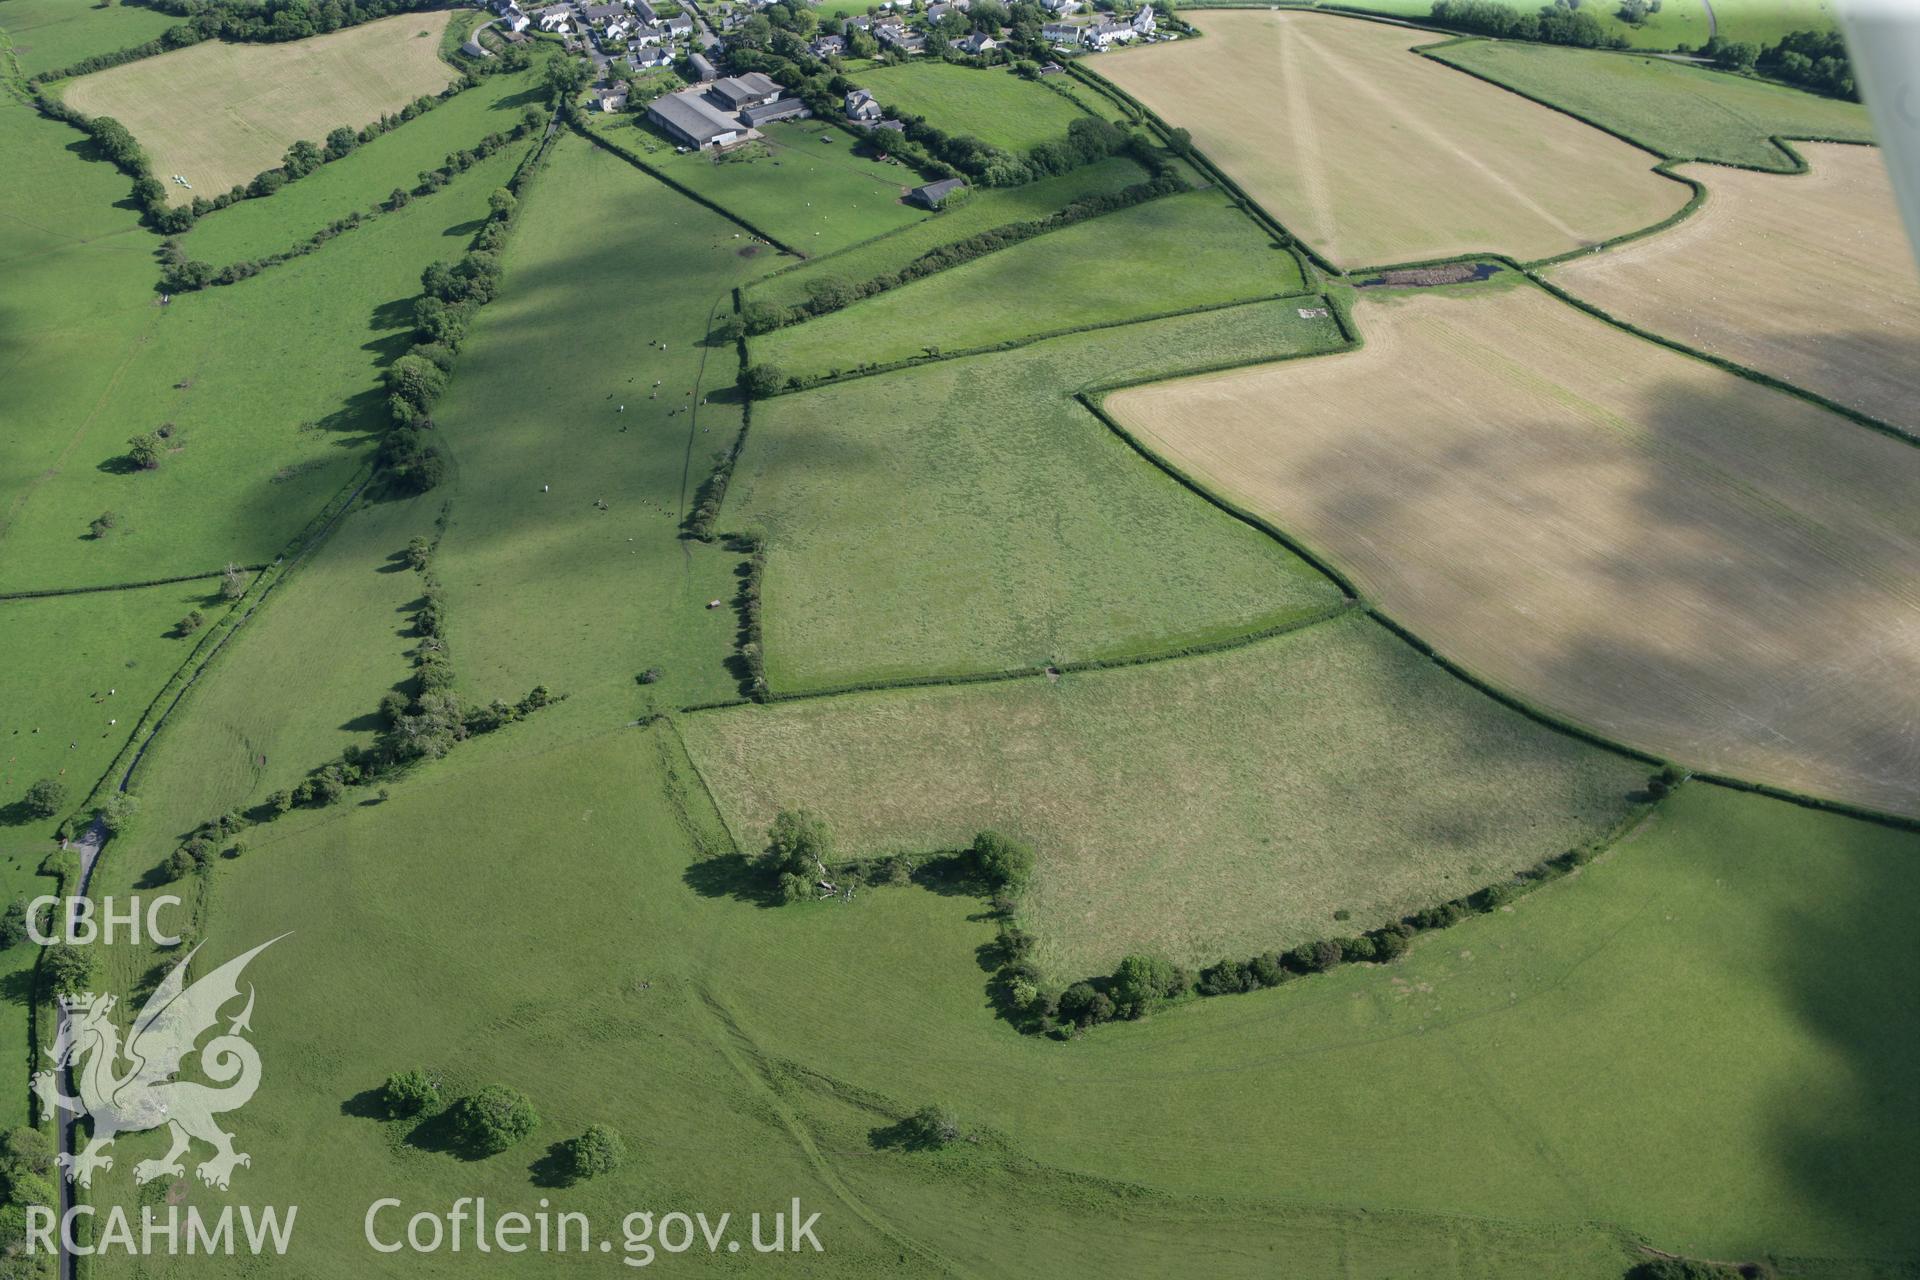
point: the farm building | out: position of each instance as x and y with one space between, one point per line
779 109
702 68
934 194
735 93
724 112
688 118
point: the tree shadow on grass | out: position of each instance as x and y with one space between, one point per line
730 875
902 1135
368 1104
439 1134
551 1169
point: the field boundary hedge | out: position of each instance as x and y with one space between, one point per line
1782 141
1767 380
653 171
991 240
181 276
1382 945
1305 254
147 731
120 771
795 386
1239 640
44 593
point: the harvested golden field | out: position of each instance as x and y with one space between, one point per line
1375 155
1808 278
218 113
1677 557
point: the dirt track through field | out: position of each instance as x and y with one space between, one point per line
1671 555
1375 155
1806 277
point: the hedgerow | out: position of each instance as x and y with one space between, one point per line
829 295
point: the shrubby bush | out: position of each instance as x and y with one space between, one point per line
408 1093
494 1119
599 1150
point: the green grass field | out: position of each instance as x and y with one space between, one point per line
1682 112
81 670
1169 254
255 228
968 516
982 210
1590 1064
991 104
814 195
271 384
328 642
1678 22
536 404
51 35
1290 805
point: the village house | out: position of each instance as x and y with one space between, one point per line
862 108
1143 22
679 25
977 43
1063 33
556 18
827 47
650 56
896 37
516 22
1061 7
1102 35
610 99
644 35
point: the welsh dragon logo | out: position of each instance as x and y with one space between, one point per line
145 1095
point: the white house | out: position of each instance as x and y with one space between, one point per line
1102 35
861 107
977 43
1143 22
1060 33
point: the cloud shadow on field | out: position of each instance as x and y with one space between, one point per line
1736 596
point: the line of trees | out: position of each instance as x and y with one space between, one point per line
1562 23
184 275
301 159
1815 60
831 293
1142 982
